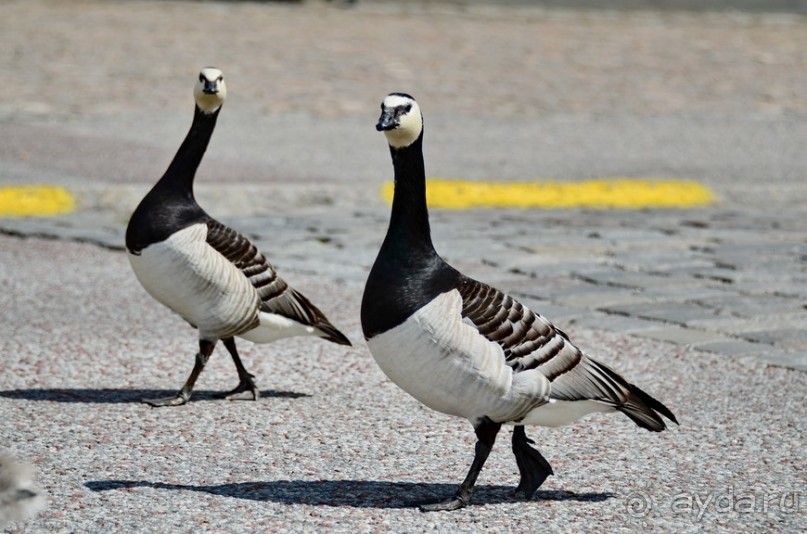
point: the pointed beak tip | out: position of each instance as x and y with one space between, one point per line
385 124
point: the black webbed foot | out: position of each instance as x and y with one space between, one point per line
532 465
177 400
205 350
245 390
448 505
486 431
246 384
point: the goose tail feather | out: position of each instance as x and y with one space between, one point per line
330 332
645 410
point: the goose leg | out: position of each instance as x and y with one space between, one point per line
246 380
205 350
531 464
486 435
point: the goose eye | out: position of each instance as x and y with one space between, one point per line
221 79
408 108
201 78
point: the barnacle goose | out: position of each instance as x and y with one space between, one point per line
19 497
464 348
209 274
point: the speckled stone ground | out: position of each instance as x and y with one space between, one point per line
99 102
333 445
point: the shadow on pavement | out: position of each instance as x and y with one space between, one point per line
116 396
354 493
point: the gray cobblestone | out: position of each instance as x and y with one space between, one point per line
738 326
793 339
682 336
556 312
793 360
599 297
629 279
701 295
716 314
741 306
734 347
682 314
616 323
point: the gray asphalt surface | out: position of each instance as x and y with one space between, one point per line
704 308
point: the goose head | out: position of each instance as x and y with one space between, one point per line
210 90
401 120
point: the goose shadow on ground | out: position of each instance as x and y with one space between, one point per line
352 493
120 396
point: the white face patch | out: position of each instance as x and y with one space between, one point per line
410 124
210 102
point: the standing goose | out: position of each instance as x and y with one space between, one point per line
209 274
464 348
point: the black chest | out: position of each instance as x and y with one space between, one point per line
400 283
157 218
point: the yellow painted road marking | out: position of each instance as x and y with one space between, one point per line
625 193
35 200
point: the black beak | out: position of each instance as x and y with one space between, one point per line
386 121
210 88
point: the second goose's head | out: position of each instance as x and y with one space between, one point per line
400 120
210 90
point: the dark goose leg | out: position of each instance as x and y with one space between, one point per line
531 464
486 435
205 350
246 380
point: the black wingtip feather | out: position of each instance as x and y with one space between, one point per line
655 404
644 410
317 319
334 335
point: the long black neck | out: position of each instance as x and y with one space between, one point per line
408 273
171 206
409 222
178 178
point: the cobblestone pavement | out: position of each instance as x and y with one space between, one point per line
98 99
723 281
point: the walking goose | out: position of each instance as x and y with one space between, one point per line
19 498
209 274
464 348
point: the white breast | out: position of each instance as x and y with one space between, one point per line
191 278
448 366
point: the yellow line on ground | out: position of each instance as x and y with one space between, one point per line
624 193
35 200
